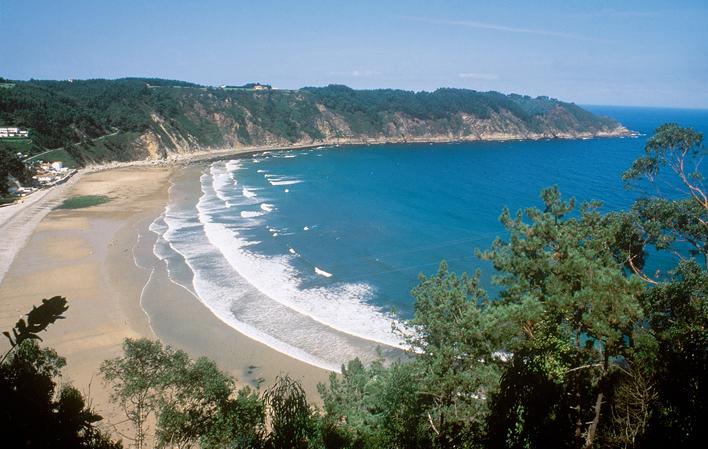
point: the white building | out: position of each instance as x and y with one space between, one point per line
13 132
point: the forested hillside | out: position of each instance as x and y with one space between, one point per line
136 118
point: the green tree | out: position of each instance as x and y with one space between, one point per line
33 413
572 311
438 396
375 406
136 380
682 216
456 356
192 402
676 304
293 420
11 165
197 407
240 423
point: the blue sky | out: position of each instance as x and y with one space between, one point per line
649 53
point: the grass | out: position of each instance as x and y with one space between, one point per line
16 145
80 202
119 147
56 155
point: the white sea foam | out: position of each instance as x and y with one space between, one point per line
275 232
221 181
284 182
219 291
286 190
267 207
306 228
322 272
233 164
251 214
342 306
261 296
248 193
260 171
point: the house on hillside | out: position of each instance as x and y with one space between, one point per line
249 86
6 133
51 173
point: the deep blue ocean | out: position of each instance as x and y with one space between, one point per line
310 250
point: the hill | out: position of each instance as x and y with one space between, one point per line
136 118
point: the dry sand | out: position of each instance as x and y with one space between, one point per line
17 221
87 255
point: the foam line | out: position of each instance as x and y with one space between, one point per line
262 295
251 214
343 306
248 193
285 182
322 272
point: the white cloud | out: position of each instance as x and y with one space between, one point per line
478 76
364 73
498 27
357 73
611 12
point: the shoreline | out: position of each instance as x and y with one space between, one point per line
9 213
85 235
166 301
248 301
88 255
83 254
213 154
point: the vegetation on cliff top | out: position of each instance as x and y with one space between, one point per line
151 117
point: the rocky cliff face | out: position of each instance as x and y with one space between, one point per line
166 137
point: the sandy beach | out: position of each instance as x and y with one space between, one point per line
88 255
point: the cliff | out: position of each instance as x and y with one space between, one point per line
127 119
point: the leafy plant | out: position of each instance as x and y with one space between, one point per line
38 319
33 413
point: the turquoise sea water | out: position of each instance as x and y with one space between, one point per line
308 251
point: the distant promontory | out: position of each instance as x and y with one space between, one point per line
138 118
